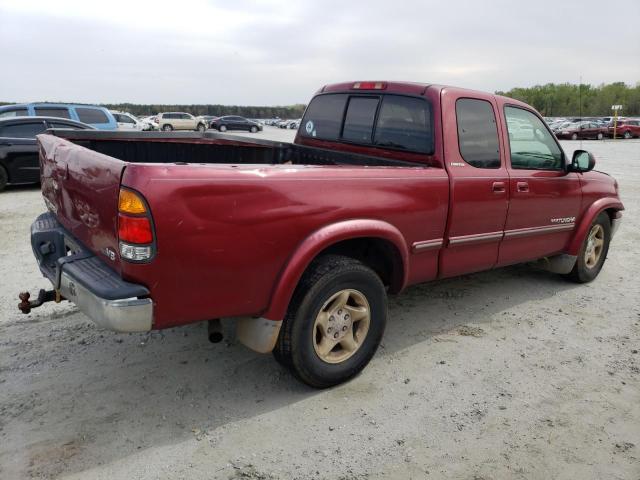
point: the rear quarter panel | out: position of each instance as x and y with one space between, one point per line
225 233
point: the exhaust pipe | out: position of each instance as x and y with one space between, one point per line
215 331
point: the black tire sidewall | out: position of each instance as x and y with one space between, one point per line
314 370
583 273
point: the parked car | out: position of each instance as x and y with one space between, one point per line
583 130
126 121
98 117
151 122
625 129
234 122
19 150
180 121
386 185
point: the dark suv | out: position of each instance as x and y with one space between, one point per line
232 122
18 149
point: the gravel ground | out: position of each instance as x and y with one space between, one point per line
512 373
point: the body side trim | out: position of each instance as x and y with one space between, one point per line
425 245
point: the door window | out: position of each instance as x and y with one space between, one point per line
60 112
15 112
477 133
91 115
532 145
22 130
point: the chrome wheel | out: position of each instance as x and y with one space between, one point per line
341 326
595 244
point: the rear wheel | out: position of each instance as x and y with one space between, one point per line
334 323
600 136
202 127
167 128
4 178
627 135
593 251
574 136
254 129
222 128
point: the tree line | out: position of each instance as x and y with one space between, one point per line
565 99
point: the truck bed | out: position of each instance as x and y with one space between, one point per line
214 148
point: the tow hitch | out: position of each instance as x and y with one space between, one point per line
25 305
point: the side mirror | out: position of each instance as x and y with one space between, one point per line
582 161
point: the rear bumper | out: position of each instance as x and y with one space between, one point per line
85 280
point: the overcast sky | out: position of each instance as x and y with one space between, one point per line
280 52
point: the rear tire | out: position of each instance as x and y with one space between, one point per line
202 128
222 128
337 293
593 251
167 128
627 135
574 136
600 136
4 178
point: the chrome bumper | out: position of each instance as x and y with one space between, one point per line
120 315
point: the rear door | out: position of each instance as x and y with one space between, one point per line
479 194
18 150
545 199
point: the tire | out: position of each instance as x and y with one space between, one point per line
222 128
253 129
167 128
202 128
318 294
627 135
4 178
600 136
574 136
583 271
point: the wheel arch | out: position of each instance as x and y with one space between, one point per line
609 205
376 243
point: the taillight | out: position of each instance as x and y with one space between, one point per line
369 86
135 227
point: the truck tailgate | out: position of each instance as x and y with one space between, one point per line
80 187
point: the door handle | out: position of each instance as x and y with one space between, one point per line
498 187
522 186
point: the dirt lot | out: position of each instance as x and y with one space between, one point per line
512 373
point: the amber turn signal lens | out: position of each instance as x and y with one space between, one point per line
129 202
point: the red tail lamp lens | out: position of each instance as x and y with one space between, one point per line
134 229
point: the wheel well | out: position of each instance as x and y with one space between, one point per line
611 212
380 255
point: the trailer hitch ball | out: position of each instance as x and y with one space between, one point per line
25 305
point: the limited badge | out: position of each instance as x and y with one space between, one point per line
309 127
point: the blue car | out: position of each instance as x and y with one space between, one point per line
98 117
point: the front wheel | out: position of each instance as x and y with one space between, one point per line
254 129
222 128
4 178
334 323
593 251
574 136
167 128
202 128
627 135
600 136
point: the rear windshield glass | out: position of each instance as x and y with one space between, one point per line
323 117
53 112
358 123
91 115
405 123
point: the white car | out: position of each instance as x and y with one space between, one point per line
149 123
126 121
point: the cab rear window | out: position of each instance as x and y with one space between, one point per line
387 121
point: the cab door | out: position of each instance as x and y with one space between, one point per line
545 199
479 193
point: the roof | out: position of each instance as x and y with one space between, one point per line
28 119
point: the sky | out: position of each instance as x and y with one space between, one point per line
280 52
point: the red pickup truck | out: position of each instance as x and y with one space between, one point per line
386 185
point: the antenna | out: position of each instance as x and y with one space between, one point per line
580 108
